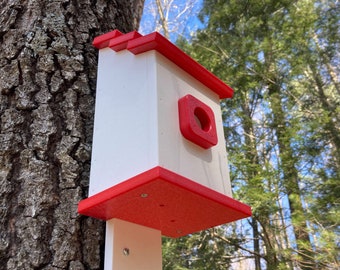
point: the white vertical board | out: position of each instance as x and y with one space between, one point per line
129 246
125 138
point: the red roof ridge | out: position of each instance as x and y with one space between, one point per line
136 43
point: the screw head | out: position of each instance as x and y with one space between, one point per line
126 251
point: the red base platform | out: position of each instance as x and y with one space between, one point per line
165 201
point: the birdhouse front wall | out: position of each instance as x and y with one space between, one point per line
137 123
208 167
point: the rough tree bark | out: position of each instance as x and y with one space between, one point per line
47 92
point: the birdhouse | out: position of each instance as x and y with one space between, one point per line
158 157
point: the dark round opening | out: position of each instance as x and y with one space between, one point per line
202 119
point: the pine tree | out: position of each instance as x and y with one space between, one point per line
283 121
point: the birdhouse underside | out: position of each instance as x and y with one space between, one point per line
163 200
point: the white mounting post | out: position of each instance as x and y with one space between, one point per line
132 246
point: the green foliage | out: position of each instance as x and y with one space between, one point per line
282 128
174 253
198 251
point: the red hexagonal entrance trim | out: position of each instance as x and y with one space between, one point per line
197 122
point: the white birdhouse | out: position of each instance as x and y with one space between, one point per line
158 155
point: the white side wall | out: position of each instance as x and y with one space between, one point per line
125 130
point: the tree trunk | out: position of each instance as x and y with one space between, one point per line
331 126
291 181
256 243
47 84
252 175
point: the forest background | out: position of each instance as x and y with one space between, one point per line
282 128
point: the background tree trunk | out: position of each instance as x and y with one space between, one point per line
47 84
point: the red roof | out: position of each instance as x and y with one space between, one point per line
136 43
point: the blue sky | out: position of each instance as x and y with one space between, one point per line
179 24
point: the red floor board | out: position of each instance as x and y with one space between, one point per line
165 201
